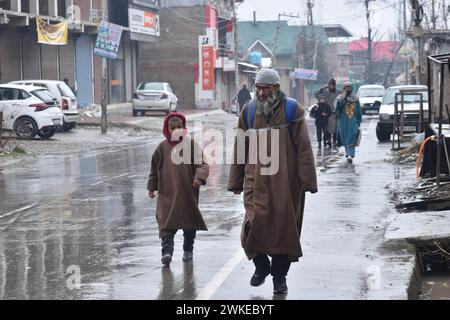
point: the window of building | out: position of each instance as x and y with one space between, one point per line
25 5
62 8
5 5
43 7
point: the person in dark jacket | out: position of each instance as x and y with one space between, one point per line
331 93
243 97
321 112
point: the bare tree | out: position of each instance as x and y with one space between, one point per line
370 37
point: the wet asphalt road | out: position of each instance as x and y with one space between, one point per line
90 212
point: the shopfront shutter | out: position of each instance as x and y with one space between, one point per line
9 56
49 62
67 60
30 57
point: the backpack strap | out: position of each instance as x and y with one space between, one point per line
290 113
249 116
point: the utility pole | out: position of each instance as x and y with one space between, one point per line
405 39
1 130
369 44
445 10
433 14
236 55
105 82
310 6
418 14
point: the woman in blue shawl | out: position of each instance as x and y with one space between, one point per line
349 121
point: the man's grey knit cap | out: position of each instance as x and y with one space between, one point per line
268 76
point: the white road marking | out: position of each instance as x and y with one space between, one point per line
109 179
19 210
211 288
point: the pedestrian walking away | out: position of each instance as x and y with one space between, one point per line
274 203
321 112
349 121
331 94
243 97
177 187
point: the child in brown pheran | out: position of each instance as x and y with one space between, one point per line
178 187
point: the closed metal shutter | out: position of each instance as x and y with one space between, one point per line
67 60
30 57
49 62
84 52
9 56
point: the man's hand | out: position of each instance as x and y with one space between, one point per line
151 194
237 192
197 184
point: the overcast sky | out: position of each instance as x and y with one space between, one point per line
346 12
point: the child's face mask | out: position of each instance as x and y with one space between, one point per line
175 126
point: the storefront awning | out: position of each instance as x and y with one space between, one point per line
248 65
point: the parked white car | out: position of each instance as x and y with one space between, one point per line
411 105
29 111
370 97
154 96
66 99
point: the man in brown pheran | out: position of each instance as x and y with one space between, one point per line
274 204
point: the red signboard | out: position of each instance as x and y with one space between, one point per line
208 60
211 17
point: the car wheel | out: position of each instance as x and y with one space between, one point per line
46 133
383 135
25 128
67 126
135 113
143 113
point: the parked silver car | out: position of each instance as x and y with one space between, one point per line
154 96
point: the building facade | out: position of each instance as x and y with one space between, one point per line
194 54
23 58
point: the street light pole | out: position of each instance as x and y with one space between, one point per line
105 81
369 43
236 56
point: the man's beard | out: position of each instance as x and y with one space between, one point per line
264 107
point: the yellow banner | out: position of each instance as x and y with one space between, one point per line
55 34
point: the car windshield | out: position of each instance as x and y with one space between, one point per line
152 86
44 95
65 90
370 92
389 97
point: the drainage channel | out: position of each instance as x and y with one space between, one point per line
433 270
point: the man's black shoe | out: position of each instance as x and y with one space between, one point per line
279 285
258 279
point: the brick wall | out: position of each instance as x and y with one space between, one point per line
172 60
